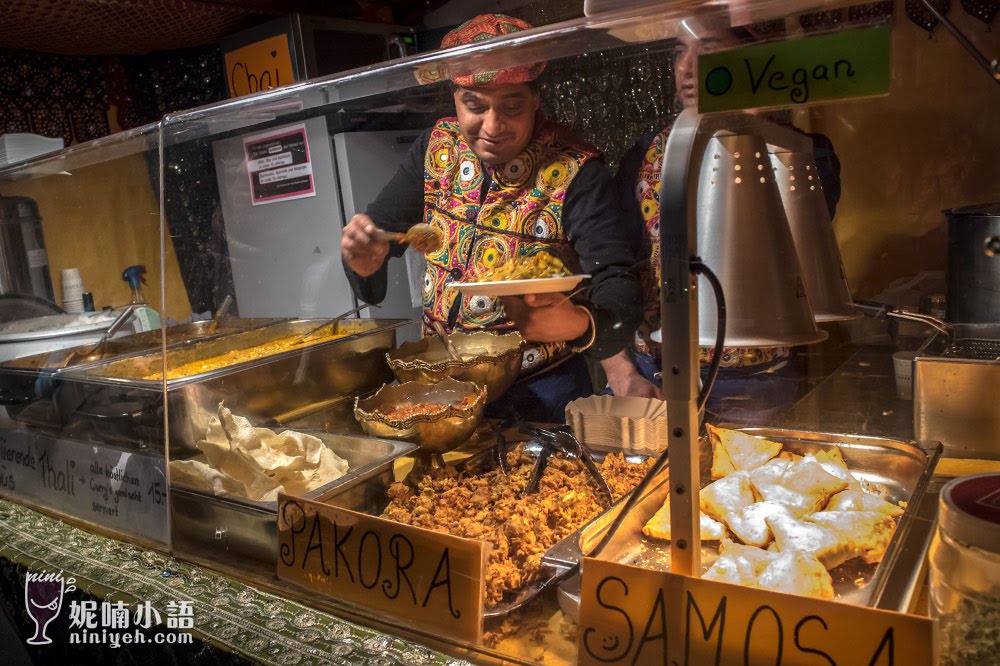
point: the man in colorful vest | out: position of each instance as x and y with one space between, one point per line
500 183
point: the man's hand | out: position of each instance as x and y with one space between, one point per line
546 317
363 252
624 379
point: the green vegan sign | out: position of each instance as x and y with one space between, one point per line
800 71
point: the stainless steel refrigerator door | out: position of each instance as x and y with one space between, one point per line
366 161
285 255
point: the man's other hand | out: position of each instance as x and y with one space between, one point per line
363 252
625 380
546 317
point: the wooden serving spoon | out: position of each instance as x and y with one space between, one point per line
421 237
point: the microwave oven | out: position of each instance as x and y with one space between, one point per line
320 45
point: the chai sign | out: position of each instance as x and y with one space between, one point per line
638 616
842 65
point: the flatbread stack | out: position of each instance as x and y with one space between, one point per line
241 460
784 520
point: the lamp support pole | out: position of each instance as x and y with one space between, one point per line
682 158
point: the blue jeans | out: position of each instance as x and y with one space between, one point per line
740 395
543 398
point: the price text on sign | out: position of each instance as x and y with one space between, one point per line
638 616
846 64
259 66
432 580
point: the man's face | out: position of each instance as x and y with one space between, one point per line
497 123
686 71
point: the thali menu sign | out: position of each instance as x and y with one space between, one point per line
842 65
120 490
278 165
432 580
630 615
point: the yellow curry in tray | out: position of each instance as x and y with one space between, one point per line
235 356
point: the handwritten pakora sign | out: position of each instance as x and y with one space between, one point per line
430 579
846 64
638 616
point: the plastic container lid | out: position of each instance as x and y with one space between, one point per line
55 326
970 510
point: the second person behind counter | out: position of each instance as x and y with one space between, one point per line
500 183
753 381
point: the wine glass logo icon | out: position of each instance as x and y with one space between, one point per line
43 596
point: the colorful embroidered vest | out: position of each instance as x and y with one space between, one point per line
647 193
519 215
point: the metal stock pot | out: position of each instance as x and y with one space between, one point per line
974 264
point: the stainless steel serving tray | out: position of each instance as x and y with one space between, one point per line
29 378
131 370
903 469
113 394
243 533
355 496
955 381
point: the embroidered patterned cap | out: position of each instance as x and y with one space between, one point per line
488 26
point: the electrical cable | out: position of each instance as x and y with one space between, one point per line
699 268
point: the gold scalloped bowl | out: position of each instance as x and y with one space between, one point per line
487 359
462 411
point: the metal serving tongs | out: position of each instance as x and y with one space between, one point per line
335 321
563 442
882 311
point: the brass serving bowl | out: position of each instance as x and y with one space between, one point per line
434 433
487 359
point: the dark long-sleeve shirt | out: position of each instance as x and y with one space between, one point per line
604 243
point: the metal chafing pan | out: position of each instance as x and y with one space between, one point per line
29 378
243 533
114 394
902 469
954 379
356 496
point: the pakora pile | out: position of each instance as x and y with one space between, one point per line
488 506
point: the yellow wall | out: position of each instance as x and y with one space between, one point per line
101 219
933 143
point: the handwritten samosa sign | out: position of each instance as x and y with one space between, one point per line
638 616
432 580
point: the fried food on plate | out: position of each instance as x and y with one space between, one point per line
794 572
749 524
731 493
859 500
799 573
822 542
733 450
866 533
658 526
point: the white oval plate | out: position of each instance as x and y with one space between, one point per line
520 287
